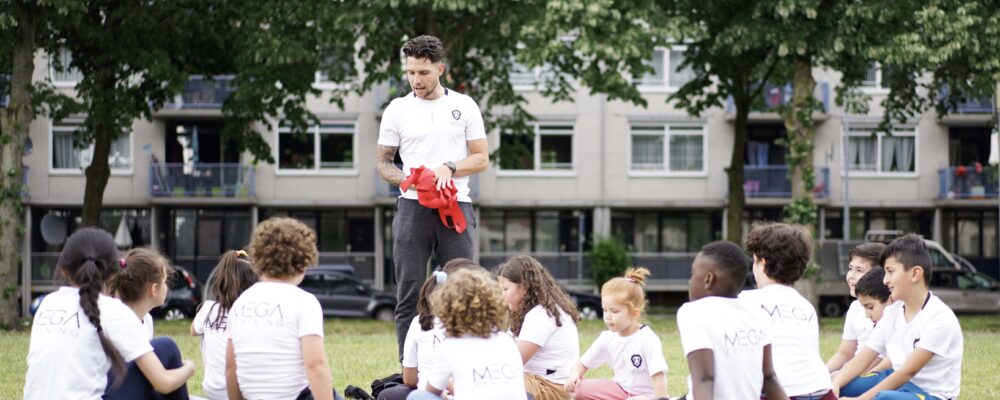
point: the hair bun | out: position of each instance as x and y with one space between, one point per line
637 275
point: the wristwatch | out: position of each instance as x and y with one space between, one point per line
451 165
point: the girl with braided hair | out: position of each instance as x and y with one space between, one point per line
543 320
79 334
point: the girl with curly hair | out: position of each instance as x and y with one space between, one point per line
275 329
478 356
543 320
425 335
631 348
233 275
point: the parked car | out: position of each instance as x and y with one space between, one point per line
966 291
184 296
345 269
342 295
589 304
182 299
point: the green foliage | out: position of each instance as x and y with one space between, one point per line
609 258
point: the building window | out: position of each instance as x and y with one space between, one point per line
876 76
60 70
337 231
525 77
665 231
879 153
551 149
534 231
331 144
672 77
919 222
684 147
66 156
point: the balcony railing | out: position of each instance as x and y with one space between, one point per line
201 180
203 93
773 181
778 95
967 182
977 105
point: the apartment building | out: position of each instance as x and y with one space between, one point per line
654 176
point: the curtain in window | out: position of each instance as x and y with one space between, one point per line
757 153
685 153
898 151
861 152
647 152
63 154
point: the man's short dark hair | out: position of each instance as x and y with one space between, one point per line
871 285
910 251
424 46
730 260
785 248
868 251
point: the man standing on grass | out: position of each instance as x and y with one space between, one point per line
441 130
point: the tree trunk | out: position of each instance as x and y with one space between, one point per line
105 132
800 134
737 198
13 135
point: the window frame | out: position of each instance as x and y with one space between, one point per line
666 133
115 171
874 87
663 86
537 170
903 131
317 131
52 70
505 215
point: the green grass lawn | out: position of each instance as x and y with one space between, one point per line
361 350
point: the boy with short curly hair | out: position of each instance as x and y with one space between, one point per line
781 253
482 360
275 329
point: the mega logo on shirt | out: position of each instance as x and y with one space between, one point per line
742 340
262 314
58 321
784 312
494 375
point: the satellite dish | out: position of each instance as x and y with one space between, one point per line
53 229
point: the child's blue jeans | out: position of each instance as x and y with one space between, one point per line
864 383
136 386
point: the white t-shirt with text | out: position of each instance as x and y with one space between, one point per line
736 336
65 358
935 329
420 346
560 345
432 132
634 358
482 368
213 349
793 328
266 325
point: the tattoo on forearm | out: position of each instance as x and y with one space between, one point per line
386 168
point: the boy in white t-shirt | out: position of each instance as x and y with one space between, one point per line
480 359
781 253
918 333
275 329
727 348
857 327
873 294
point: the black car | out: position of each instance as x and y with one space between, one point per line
589 304
183 298
342 295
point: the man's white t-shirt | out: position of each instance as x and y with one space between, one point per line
560 345
935 329
634 358
735 334
794 332
857 326
65 358
266 325
482 368
432 132
420 346
213 349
